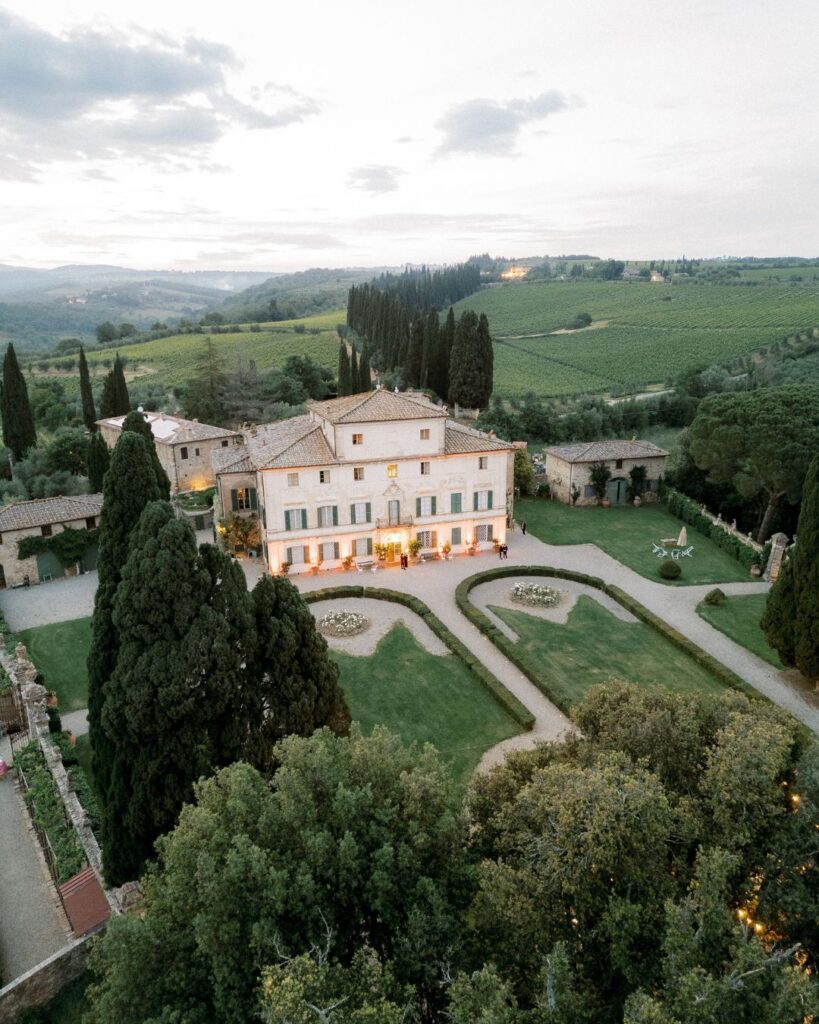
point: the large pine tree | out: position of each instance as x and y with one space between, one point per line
89 413
129 485
19 432
294 684
135 421
345 381
98 461
471 362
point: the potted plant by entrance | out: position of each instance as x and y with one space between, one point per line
414 548
599 476
446 550
381 552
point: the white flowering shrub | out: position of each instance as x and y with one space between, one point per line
343 623
535 595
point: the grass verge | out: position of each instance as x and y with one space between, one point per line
739 619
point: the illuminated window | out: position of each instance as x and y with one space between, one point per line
392 470
425 433
358 472
358 439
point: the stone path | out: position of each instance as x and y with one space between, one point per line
32 926
58 601
382 615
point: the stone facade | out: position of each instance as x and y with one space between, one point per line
568 470
49 516
185 447
368 471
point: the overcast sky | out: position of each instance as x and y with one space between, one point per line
276 136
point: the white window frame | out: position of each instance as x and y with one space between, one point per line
292 479
426 469
483 501
325 512
426 505
360 512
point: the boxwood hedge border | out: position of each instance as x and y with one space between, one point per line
510 649
507 700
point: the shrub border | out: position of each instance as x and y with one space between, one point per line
507 700
510 649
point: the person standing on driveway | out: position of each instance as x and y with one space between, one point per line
523 528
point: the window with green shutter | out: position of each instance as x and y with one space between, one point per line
234 500
455 502
254 501
434 505
304 519
456 535
287 525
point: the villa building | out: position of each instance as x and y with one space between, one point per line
364 475
45 517
568 470
184 447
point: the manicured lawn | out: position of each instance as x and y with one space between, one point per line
626 534
423 698
739 619
59 651
594 646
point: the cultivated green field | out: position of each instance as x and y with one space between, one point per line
650 332
172 361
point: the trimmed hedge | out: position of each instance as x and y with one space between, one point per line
689 512
507 700
510 649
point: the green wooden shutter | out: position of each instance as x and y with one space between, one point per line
434 504
254 501
475 502
289 554
369 545
369 518
335 548
304 519
489 532
455 502
352 514
489 501
456 536
335 515
234 500
417 507
287 520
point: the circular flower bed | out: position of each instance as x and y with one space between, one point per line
343 623
535 594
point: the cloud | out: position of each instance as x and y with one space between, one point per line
490 128
88 94
375 178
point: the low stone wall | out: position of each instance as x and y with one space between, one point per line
39 985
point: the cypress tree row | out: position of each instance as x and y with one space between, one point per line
89 413
19 432
365 383
345 382
791 619
129 485
115 400
415 353
354 374
471 362
98 461
135 421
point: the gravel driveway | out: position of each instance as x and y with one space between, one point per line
69 598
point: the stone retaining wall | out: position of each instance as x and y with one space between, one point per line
39 985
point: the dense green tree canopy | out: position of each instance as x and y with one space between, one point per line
471 362
136 421
99 459
760 441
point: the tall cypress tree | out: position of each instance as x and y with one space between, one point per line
293 685
98 462
806 577
415 353
779 617
121 397
129 485
446 341
471 362
430 366
486 360
135 420
345 383
364 369
89 413
19 432
354 374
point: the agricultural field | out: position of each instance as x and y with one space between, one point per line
642 333
172 361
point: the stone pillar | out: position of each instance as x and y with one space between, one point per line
779 544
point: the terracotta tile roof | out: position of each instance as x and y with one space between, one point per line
231 460
44 511
604 451
377 406
85 902
298 441
460 440
172 429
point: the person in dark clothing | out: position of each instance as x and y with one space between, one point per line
523 528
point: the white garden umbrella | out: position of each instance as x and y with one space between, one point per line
682 540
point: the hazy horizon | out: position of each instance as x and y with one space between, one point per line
339 136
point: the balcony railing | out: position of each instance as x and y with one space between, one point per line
384 522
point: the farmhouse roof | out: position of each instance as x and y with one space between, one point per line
460 440
44 511
231 460
172 429
377 406
604 451
296 442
